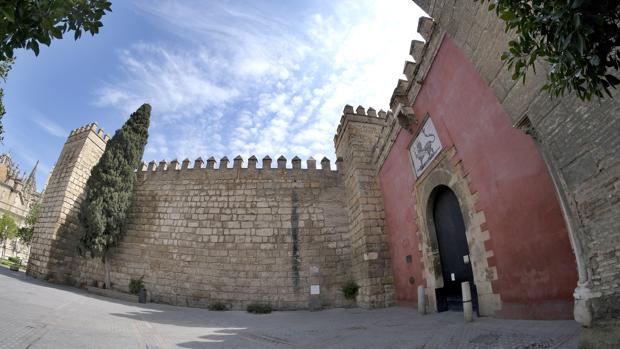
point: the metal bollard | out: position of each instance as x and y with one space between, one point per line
467 305
421 300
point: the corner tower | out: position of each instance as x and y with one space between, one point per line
357 134
53 246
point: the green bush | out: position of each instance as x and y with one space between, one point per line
15 260
217 306
4 262
135 285
258 308
350 289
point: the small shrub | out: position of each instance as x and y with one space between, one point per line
350 289
257 308
135 285
15 260
217 306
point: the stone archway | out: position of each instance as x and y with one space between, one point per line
444 173
453 249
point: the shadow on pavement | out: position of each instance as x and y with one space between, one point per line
398 327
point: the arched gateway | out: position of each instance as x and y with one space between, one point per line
453 248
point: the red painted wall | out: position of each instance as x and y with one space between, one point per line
396 180
533 256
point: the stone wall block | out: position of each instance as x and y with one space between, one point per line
281 162
211 163
266 162
311 163
238 161
325 164
252 162
296 163
185 164
223 163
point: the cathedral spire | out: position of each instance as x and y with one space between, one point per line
31 181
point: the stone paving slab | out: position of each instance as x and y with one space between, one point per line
36 314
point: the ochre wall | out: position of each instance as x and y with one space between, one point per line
532 253
234 235
239 235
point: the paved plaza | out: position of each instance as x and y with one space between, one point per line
40 315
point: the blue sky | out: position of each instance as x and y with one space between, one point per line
224 77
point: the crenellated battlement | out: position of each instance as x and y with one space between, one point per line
413 75
402 116
360 114
83 131
238 163
209 215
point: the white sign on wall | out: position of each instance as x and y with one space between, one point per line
315 289
425 147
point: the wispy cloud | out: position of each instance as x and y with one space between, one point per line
180 84
49 126
240 82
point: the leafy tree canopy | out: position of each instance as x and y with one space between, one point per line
579 38
109 188
8 227
25 233
28 23
5 67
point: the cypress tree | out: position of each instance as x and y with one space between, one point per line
109 189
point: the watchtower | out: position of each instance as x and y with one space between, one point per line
53 245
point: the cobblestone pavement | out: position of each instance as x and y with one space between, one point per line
40 315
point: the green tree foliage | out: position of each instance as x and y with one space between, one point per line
350 289
8 227
109 188
5 67
579 38
25 233
28 23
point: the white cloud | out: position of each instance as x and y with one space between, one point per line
50 126
239 82
177 84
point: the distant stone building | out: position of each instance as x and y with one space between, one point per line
18 194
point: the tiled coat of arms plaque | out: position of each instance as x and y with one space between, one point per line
425 147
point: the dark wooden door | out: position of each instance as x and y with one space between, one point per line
453 250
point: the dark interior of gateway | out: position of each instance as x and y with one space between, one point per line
453 251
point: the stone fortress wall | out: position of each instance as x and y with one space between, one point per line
233 234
